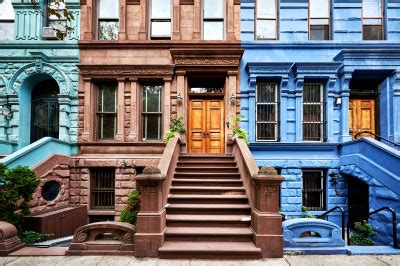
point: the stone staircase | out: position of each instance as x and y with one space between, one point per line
208 213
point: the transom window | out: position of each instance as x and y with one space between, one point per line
319 15
267 111
266 25
151 112
160 19
314 189
372 20
313 112
102 188
106 111
6 20
108 19
213 19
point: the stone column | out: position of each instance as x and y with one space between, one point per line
143 19
64 102
14 122
89 27
283 134
231 91
167 104
345 94
197 20
133 134
151 220
122 20
266 222
230 21
88 114
252 114
120 110
180 83
330 123
176 19
299 82
396 107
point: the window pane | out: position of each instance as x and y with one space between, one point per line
319 32
106 99
266 29
108 30
6 10
6 30
213 8
160 9
213 30
266 9
312 93
372 32
57 6
161 29
266 92
372 21
106 126
58 24
313 190
152 127
266 131
372 8
109 9
319 9
152 98
320 21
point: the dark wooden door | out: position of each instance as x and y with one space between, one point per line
358 203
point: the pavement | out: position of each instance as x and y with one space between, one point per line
309 260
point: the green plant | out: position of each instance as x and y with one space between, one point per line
16 191
237 130
306 214
32 237
130 212
362 234
175 128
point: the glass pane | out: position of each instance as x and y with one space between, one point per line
266 29
266 113
106 125
266 9
151 127
312 113
161 29
266 131
58 24
57 6
319 32
266 92
6 10
312 131
320 21
213 8
312 93
372 21
206 90
106 99
109 9
6 30
160 9
372 8
152 98
372 32
319 9
213 30
108 30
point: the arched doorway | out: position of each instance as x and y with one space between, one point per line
358 200
44 110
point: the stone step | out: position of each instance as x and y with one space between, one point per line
206 157
202 220
208 199
206 163
212 234
208 209
207 190
178 175
207 169
209 250
208 182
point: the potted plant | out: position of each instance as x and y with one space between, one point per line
176 130
237 131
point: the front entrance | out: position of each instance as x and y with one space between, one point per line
362 117
206 126
358 195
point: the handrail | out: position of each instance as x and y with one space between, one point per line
394 221
378 136
343 218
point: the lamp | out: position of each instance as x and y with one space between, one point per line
233 99
338 101
179 98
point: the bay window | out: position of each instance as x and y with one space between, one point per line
106 110
160 19
266 20
372 12
319 19
152 112
267 111
108 19
6 20
213 19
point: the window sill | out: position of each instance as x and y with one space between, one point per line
101 212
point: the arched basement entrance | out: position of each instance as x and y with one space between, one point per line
44 110
358 200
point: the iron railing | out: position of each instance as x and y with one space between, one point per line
378 137
343 218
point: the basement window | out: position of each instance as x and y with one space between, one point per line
314 189
102 189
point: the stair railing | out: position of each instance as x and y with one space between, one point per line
343 218
394 223
378 137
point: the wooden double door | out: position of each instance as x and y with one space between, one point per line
362 117
206 126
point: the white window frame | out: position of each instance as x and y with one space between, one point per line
144 112
151 20
321 103
276 19
276 104
329 18
223 19
382 18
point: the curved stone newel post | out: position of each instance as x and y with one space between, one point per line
266 222
9 240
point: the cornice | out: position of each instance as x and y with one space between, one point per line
293 146
362 54
126 71
38 45
268 68
320 45
207 57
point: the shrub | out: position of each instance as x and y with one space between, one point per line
176 128
32 237
130 212
237 130
362 234
306 212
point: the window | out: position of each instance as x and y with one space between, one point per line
313 112
108 20
6 20
102 188
266 27
213 19
372 20
106 111
267 111
160 19
319 14
314 189
151 112
52 20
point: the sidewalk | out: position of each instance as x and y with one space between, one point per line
342 260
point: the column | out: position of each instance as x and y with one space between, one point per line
330 119
252 112
299 82
167 104
231 91
133 134
176 34
88 114
230 22
90 7
197 20
180 84
120 110
283 112
396 107
143 18
122 20
345 93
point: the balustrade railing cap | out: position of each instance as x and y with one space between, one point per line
267 170
151 170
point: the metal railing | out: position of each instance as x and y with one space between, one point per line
343 218
394 223
378 137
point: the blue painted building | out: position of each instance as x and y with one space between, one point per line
38 77
315 77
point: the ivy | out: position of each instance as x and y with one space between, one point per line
237 130
176 128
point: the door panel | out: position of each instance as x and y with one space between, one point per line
362 116
206 126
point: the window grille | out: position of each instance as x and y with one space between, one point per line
151 112
314 189
319 19
313 112
372 13
102 188
266 15
106 111
267 112
160 19
213 19
108 20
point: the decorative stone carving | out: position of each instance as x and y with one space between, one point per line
150 170
130 71
267 170
9 240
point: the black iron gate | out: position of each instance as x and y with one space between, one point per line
44 118
358 194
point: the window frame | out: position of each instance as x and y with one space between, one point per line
151 20
277 113
276 21
115 113
330 36
98 19
48 21
223 20
322 104
12 21
142 113
93 189
382 18
323 188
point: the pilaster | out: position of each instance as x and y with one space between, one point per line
284 94
120 110
252 104
167 104
87 135
230 22
345 94
64 102
133 134
176 33
331 96
396 106
180 83
299 83
122 20
143 19
197 20
89 28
